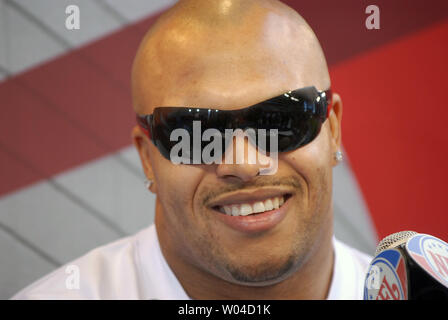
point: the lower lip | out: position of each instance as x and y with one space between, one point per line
256 222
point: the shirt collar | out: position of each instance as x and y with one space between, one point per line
159 281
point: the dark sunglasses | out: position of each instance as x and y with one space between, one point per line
296 116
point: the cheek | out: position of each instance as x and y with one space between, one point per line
176 185
313 162
314 156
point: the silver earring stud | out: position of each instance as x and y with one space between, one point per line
338 156
148 183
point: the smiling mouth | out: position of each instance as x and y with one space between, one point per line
253 208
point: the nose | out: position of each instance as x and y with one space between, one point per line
241 160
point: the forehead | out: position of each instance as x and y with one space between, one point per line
229 83
232 69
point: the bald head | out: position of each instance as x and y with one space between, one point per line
225 54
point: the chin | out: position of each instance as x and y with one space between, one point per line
264 275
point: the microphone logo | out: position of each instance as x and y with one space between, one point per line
431 254
386 277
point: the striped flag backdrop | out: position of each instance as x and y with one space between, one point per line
71 181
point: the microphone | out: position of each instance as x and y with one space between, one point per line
408 266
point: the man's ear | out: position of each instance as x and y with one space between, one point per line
335 119
142 143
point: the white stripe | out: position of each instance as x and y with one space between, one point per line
52 222
24 43
106 185
353 224
20 266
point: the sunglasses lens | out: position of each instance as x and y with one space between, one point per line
296 134
297 120
172 125
302 133
165 121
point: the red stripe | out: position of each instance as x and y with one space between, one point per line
68 111
394 129
39 142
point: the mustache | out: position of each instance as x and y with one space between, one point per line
263 181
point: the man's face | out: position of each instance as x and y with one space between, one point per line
189 197
189 193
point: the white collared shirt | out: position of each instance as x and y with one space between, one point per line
135 268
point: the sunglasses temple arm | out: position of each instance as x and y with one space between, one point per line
329 96
144 122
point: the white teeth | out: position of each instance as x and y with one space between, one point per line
281 201
257 207
245 209
276 203
268 205
228 210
